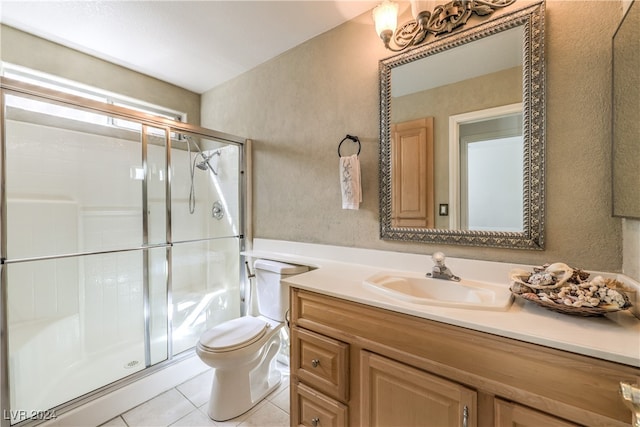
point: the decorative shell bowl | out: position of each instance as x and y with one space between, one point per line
568 290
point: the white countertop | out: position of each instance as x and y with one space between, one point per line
614 337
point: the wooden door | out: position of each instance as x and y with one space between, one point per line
395 394
412 201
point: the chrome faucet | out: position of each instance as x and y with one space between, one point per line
440 270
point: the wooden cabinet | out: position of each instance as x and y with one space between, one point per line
381 368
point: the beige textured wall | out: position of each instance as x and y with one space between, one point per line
20 48
298 106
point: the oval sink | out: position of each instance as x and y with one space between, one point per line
419 289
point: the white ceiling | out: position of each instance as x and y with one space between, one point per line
196 45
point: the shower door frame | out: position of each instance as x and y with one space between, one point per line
18 88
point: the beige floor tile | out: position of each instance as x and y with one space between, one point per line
195 418
177 407
160 411
229 423
198 389
267 415
116 422
237 420
281 399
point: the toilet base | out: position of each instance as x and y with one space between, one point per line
234 392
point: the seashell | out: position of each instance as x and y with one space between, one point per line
545 297
579 276
540 268
520 288
561 271
614 284
518 275
542 279
530 296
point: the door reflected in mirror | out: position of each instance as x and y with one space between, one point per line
485 169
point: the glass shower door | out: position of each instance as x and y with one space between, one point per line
78 263
120 244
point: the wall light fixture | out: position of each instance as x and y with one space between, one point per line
427 18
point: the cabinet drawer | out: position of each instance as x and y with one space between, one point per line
321 362
311 408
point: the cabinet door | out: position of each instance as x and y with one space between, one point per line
394 394
509 414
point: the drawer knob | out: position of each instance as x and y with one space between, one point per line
315 363
315 422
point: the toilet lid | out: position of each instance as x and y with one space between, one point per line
234 334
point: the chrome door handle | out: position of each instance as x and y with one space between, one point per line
465 416
315 422
315 363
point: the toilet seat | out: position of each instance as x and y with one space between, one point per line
234 334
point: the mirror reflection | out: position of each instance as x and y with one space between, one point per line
476 76
485 170
462 138
626 110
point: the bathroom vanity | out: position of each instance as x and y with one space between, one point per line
362 358
353 364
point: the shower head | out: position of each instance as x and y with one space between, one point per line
204 164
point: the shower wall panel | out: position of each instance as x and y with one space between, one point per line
43 226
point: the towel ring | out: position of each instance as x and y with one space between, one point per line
354 139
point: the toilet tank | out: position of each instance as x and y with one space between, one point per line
271 293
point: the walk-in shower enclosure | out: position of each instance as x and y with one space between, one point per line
119 245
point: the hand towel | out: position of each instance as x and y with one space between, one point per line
350 184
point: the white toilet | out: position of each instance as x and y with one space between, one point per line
243 351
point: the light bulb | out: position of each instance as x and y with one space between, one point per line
385 16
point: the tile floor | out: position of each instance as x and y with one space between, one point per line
186 406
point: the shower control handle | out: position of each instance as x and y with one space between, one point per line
315 363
